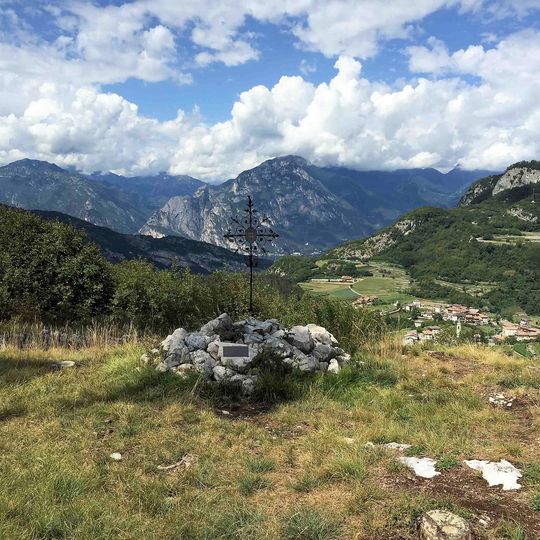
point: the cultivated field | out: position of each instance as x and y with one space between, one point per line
533 237
388 283
298 469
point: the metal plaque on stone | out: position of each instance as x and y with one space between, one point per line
233 351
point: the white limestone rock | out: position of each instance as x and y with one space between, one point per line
497 473
303 362
222 373
215 326
202 362
279 347
174 340
239 365
321 334
333 366
196 341
322 352
178 355
213 349
343 359
443 525
253 338
423 467
300 338
183 370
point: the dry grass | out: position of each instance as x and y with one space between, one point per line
41 337
297 471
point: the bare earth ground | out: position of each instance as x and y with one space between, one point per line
294 470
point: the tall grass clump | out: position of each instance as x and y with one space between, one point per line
310 524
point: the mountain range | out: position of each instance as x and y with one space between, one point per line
313 208
121 204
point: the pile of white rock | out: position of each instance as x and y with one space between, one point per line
307 348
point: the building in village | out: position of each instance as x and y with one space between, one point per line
364 301
428 334
521 332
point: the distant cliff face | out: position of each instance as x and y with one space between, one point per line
514 177
306 214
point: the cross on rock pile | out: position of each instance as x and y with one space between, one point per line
306 348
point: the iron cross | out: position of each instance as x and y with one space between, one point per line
250 234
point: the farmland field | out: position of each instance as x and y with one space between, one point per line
388 283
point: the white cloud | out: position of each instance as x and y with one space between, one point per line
139 38
347 121
306 67
52 107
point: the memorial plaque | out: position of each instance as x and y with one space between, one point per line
233 350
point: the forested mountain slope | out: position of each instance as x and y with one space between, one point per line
493 241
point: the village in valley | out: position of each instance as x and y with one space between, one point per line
506 330
423 321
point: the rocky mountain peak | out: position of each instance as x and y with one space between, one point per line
517 177
27 165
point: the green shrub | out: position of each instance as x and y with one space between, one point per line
49 270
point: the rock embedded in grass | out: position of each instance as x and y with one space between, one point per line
309 348
64 364
443 525
423 467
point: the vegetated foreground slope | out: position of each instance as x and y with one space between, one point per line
494 240
195 467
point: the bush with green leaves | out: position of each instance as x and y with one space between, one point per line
49 270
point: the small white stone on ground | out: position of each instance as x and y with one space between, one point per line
500 400
443 525
400 447
116 456
497 473
397 446
64 364
333 366
423 467
185 463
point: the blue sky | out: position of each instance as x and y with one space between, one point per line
212 87
217 87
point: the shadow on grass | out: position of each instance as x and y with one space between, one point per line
21 370
276 384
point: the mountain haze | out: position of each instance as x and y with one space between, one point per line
151 191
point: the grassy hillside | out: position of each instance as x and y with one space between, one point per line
493 242
295 470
